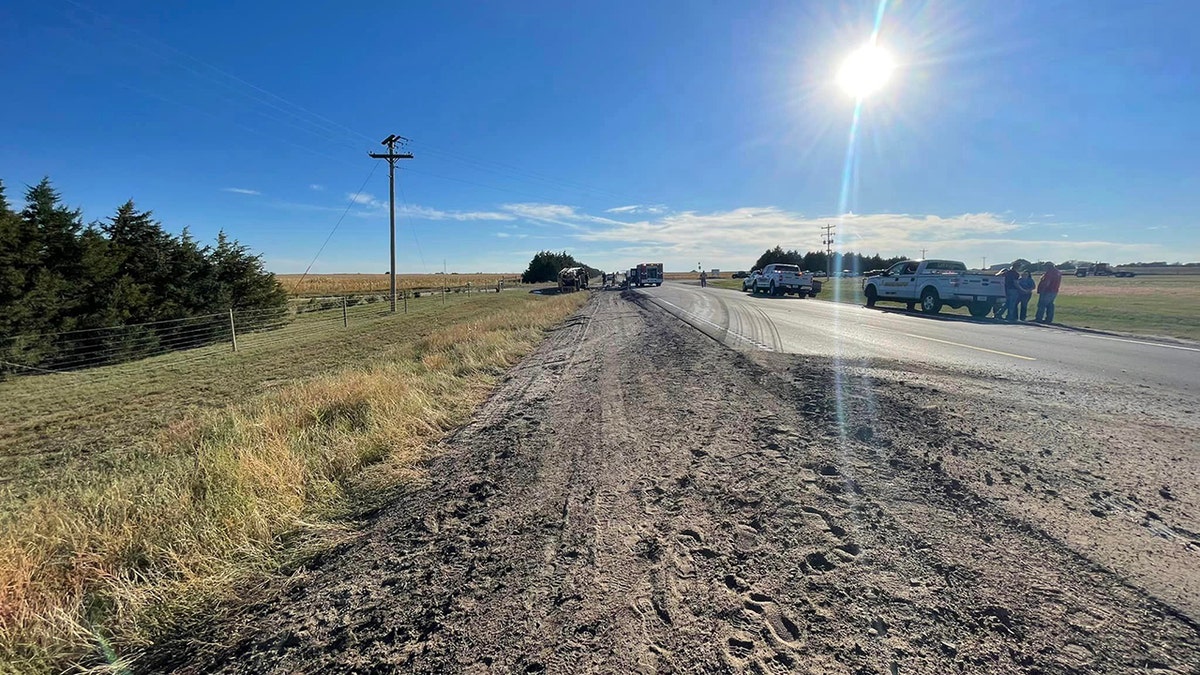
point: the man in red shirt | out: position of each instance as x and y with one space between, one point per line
1047 291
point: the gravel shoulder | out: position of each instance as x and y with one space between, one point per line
636 497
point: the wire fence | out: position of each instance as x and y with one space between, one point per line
78 352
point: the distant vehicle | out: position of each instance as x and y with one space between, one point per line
1105 270
739 275
782 279
820 273
749 280
934 284
572 279
647 274
873 273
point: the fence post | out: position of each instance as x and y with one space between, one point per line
443 295
345 320
232 330
405 294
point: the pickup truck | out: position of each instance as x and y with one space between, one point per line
934 284
781 279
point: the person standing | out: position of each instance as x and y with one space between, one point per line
1025 287
1047 290
703 279
1012 291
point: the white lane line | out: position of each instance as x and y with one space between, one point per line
1141 342
754 342
980 349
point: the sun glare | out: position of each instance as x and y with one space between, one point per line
865 71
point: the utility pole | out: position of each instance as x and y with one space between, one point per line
392 156
922 254
827 239
984 263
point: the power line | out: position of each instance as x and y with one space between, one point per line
349 205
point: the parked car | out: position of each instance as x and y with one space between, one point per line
739 275
749 279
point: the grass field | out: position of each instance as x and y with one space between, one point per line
349 284
1166 305
134 495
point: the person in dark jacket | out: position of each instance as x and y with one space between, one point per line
1025 291
1047 290
1012 291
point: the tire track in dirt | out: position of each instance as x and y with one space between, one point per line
637 498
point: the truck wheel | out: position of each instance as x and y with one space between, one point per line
872 296
930 302
772 290
980 309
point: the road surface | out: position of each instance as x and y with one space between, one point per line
853 332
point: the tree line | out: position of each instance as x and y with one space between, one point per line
546 265
63 283
819 261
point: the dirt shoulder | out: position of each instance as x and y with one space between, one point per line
637 498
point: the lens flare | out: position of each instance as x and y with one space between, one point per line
865 71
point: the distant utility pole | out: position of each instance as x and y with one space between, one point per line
827 239
922 254
984 263
392 156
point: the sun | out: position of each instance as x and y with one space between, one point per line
865 71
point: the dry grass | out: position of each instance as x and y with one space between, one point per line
348 284
121 547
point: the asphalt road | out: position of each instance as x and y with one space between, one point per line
854 333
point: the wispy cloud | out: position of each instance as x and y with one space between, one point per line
241 191
316 187
638 208
376 206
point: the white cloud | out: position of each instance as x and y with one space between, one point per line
365 198
378 206
241 191
638 208
316 187
735 237
437 214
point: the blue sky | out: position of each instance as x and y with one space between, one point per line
698 132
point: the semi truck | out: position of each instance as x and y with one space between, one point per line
572 279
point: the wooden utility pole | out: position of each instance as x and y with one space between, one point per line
392 156
827 239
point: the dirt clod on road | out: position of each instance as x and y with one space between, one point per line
637 498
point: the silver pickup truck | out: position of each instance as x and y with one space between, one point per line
934 284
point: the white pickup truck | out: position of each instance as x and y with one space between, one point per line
781 279
934 284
